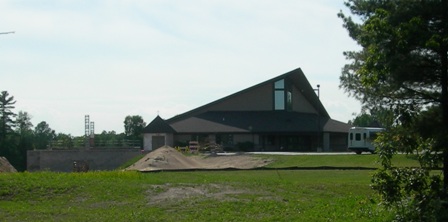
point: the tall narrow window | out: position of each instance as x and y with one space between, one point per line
279 100
289 100
279 95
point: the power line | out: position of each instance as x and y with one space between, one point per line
7 33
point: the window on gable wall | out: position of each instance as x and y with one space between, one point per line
279 95
288 100
282 96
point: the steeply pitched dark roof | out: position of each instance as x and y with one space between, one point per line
258 122
202 120
158 125
296 76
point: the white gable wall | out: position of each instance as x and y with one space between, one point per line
148 143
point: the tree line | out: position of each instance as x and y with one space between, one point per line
18 134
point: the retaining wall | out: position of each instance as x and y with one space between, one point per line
62 160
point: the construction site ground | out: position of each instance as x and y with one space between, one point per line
168 158
5 166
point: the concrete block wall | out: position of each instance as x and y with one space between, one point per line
62 160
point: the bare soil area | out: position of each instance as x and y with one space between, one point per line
173 193
168 158
5 166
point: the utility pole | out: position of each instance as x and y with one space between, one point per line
4 33
319 148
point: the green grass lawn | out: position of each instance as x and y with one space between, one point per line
367 161
261 195
185 196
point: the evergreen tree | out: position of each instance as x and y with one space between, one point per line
7 122
403 67
25 139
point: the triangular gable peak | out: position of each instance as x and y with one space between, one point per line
158 125
290 91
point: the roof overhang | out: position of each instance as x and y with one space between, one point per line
258 122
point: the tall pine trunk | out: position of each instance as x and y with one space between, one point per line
444 102
444 137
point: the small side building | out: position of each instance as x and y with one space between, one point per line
157 134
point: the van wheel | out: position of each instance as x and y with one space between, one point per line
358 152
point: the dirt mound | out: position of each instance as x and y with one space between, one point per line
5 166
164 158
169 158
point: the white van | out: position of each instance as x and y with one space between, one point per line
360 139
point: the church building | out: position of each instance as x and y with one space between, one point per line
281 114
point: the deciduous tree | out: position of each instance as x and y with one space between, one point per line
64 141
373 118
43 135
133 127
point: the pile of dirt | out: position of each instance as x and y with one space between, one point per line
164 158
168 158
5 166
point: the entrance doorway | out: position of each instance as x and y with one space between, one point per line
157 142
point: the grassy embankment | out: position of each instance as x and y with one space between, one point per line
347 161
283 195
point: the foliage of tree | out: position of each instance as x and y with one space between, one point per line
109 139
417 194
44 135
134 125
403 67
373 118
7 138
64 141
24 124
16 135
7 122
25 134
133 128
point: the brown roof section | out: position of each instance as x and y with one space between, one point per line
258 122
336 126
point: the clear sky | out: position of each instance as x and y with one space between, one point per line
113 58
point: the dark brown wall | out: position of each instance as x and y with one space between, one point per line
338 142
256 99
261 99
300 103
